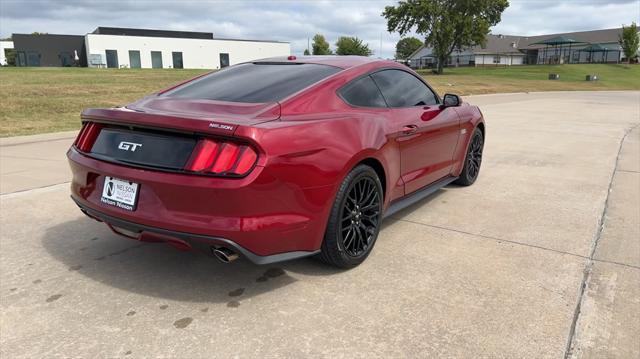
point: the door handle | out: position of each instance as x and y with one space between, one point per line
409 129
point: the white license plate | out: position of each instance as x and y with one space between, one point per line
120 193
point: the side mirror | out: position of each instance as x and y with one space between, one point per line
451 100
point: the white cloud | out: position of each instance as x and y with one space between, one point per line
292 21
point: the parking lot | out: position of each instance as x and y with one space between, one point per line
539 258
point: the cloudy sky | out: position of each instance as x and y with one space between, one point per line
293 21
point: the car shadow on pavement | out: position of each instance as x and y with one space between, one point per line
89 248
401 214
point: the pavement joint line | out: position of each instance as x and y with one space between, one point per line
38 141
493 238
33 158
594 245
14 172
616 263
26 191
629 171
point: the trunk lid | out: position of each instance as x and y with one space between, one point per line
164 133
188 115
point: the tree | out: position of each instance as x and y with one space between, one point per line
306 52
446 24
10 55
352 46
629 41
320 46
407 46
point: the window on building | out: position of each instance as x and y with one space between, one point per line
156 59
257 82
33 58
576 56
363 92
22 59
496 59
66 60
177 60
112 58
224 60
402 89
134 59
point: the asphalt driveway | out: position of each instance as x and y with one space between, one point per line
539 258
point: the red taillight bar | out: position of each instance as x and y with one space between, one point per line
87 136
221 157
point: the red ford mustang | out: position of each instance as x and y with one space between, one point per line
275 159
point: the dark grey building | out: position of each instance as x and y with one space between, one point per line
49 50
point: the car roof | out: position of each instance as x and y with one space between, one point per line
344 62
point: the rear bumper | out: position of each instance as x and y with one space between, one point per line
261 214
196 241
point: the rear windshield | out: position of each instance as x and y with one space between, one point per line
254 82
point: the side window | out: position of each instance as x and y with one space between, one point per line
363 92
401 89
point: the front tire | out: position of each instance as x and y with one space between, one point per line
472 160
355 218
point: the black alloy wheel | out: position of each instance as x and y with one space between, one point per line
360 217
355 219
473 160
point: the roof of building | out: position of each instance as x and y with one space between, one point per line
499 44
591 36
14 36
602 48
125 31
559 40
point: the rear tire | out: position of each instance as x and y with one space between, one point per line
472 160
355 218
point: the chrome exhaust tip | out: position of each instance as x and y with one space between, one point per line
225 255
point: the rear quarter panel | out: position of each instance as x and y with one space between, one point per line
320 152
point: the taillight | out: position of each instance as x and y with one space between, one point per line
221 157
87 136
203 156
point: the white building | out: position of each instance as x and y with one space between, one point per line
595 46
499 50
4 45
139 48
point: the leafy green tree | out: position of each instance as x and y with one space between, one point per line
407 46
320 46
347 45
629 41
446 24
306 52
10 55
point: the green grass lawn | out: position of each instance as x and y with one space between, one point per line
482 80
38 100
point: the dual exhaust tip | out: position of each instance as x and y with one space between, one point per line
224 255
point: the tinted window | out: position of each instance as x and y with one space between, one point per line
363 92
254 83
401 89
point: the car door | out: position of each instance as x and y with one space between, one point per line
428 133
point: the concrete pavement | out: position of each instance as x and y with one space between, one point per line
28 162
539 258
